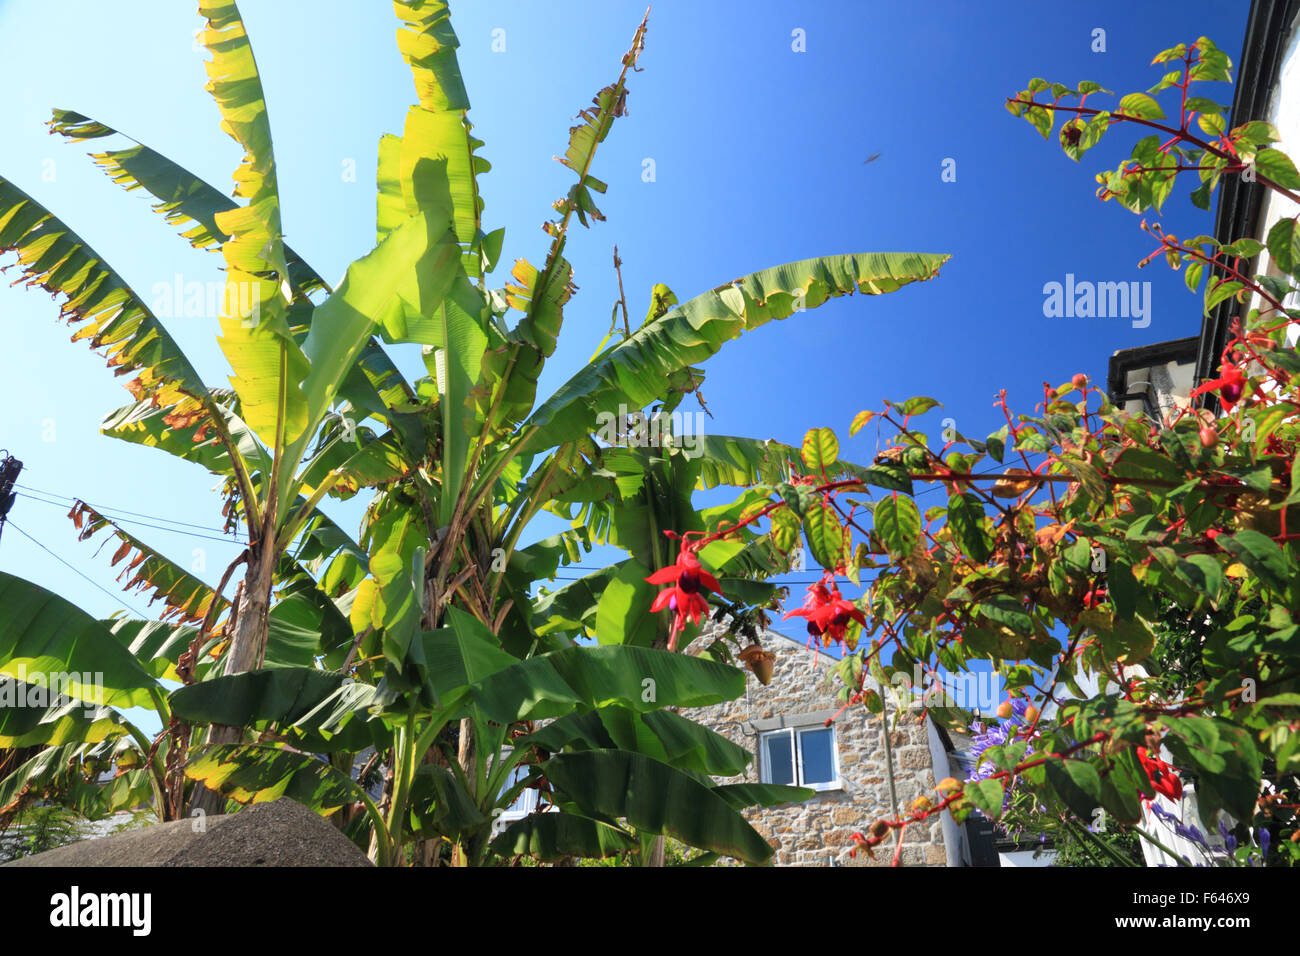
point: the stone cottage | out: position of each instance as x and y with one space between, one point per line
784 725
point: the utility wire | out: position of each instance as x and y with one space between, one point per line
114 513
143 524
115 597
107 509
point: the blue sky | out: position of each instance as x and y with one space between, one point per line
759 159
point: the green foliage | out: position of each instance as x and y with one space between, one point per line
430 636
1083 546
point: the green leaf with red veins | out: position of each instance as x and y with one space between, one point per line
966 519
1040 119
1284 245
1277 166
1212 124
919 404
898 524
1244 248
1202 104
1173 53
1093 131
1093 484
997 441
820 450
1168 80
785 529
860 420
987 796
1219 290
827 538
1141 105
1214 65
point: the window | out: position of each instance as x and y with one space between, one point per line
800 757
525 803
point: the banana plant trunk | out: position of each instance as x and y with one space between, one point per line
466 757
247 652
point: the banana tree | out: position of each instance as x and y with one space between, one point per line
460 462
605 711
606 718
295 361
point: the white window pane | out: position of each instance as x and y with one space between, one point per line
816 756
778 760
525 801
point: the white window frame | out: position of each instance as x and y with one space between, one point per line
528 799
795 733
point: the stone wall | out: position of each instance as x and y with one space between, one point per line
817 833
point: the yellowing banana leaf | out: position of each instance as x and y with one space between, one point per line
255 334
184 200
254 774
636 372
436 165
27 722
411 269
185 431
186 597
96 299
254 245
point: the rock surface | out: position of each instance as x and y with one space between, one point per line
281 833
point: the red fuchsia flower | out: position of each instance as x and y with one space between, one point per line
827 613
1163 777
684 598
1230 385
1094 597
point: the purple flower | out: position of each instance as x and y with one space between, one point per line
1190 832
1164 814
1264 839
995 736
986 737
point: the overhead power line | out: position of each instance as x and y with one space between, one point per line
115 513
79 572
